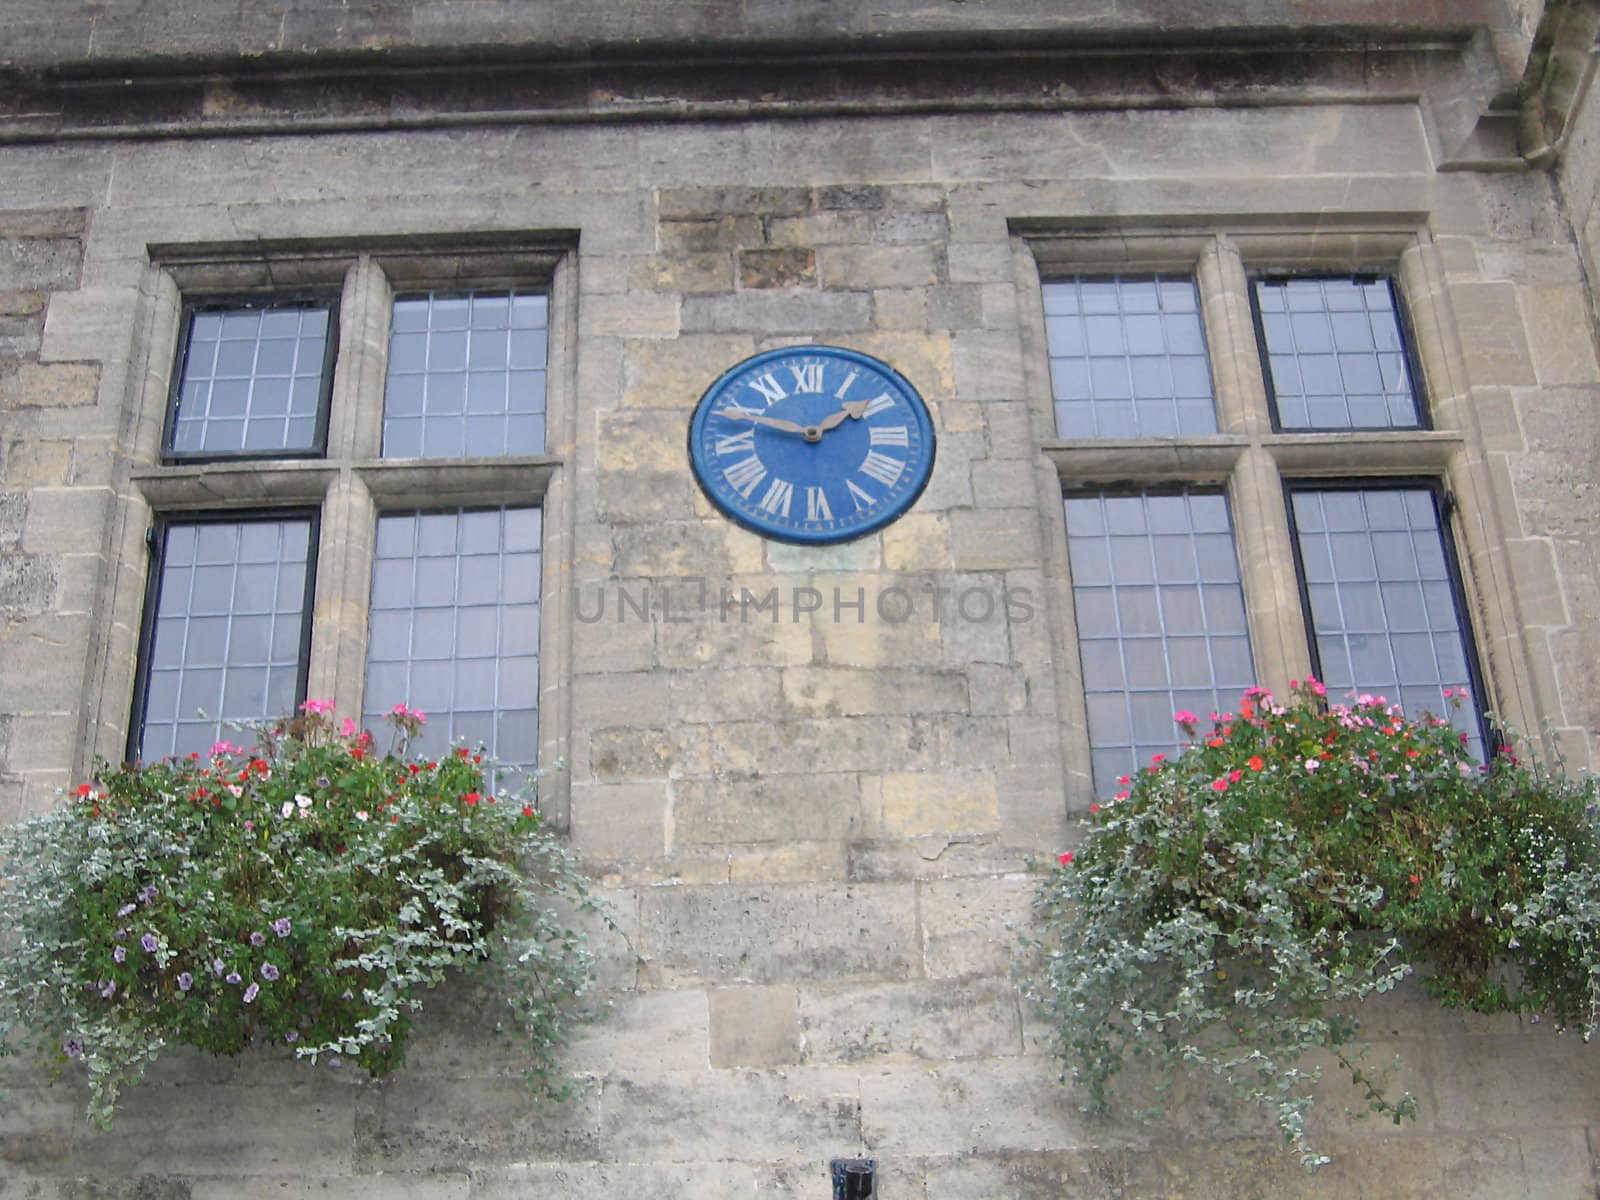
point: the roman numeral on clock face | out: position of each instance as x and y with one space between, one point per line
744 475
879 404
745 440
807 377
881 467
862 499
769 387
817 505
889 435
779 493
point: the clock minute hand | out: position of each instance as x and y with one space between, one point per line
739 414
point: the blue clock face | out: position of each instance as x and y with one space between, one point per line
812 444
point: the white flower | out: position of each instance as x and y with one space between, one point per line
1312 764
302 800
361 814
288 808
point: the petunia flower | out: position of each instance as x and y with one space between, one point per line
281 927
269 972
251 992
257 938
148 941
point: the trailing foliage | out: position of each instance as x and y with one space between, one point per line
306 892
1231 907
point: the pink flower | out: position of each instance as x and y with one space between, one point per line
1219 785
317 707
1066 858
1312 764
1094 808
349 727
1184 717
1317 689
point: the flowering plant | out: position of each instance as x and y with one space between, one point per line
1233 905
304 892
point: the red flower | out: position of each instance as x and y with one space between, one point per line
1255 762
1214 742
1416 879
83 789
471 798
462 752
1066 858
1235 776
1122 795
1094 808
527 810
1219 785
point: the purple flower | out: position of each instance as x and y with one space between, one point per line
218 966
148 941
185 981
126 909
269 972
73 1049
251 992
119 953
281 927
258 939
108 989
147 893
120 935
234 977
292 1036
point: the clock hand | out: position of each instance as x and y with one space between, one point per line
739 414
851 408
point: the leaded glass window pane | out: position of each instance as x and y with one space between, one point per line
1336 354
454 630
1128 358
1382 600
466 375
254 381
226 641
1161 620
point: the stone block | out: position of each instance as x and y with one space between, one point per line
748 806
919 541
791 266
788 934
682 550
699 1117
783 311
899 308
620 1180
29 583
900 266
426 1123
899 1021
712 697
675 374
995 539
625 700
50 385
918 804
895 228
830 744
619 820
705 273
642 754
709 234
38 263
969 926
31 462
754 1027
1496 349
791 862
660 1030
385 1185
972 1108
821 229
633 439
635 315
1560 335
820 691
710 202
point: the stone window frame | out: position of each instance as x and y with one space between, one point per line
351 483
1252 461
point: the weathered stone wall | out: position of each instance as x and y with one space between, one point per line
820 833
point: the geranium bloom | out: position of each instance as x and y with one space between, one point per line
1066 858
1255 762
1219 785
1184 717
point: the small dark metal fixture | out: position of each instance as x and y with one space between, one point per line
854 1178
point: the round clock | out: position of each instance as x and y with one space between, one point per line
812 444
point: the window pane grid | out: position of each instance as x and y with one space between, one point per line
252 382
1382 600
1128 358
226 639
1161 620
454 630
466 375
1335 354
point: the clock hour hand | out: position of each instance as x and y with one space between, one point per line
851 408
734 412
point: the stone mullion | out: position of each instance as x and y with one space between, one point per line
339 613
1278 640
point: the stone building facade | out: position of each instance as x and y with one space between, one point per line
814 783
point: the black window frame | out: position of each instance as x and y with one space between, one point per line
326 300
1444 506
155 544
1408 346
